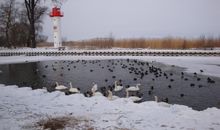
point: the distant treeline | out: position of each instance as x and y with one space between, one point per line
163 43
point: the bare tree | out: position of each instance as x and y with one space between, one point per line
7 19
34 13
20 34
22 28
58 2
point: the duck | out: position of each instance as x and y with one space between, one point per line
88 94
149 92
182 95
133 98
192 84
169 86
152 87
133 88
209 80
117 87
104 91
156 99
60 87
165 100
195 74
111 96
73 90
163 103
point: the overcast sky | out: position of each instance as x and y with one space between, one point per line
85 19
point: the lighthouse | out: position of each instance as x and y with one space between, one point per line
56 15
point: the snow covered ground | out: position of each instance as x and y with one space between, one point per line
22 108
210 65
215 51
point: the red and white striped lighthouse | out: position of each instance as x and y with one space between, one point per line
56 15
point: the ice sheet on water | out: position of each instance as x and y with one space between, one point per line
210 65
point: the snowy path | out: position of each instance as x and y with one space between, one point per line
20 107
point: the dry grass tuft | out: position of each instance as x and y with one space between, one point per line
67 122
57 123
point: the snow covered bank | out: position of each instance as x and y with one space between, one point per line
210 65
21 107
105 49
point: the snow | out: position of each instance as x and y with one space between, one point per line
25 49
47 50
210 65
22 107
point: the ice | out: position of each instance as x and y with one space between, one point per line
210 65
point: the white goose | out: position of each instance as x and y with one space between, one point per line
155 98
60 87
111 96
134 88
117 87
73 90
133 98
94 89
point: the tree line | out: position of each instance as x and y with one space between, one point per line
21 23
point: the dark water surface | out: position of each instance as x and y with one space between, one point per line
187 89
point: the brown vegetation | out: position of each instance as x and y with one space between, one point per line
55 123
164 43
70 122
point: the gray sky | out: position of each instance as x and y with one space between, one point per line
85 19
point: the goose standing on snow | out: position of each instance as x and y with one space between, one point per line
111 96
118 87
133 98
155 98
94 87
94 90
60 87
133 88
73 90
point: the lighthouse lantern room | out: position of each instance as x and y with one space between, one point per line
56 15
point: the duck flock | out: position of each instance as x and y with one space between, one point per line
115 85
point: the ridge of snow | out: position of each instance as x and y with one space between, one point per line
22 106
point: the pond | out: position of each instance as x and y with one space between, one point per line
165 81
